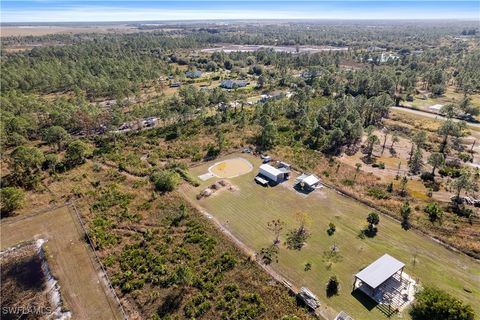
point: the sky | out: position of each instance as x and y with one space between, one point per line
121 10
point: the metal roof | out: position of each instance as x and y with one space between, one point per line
270 169
380 270
311 180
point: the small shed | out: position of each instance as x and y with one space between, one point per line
271 173
308 181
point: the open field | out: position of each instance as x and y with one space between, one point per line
247 211
450 96
22 31
69 260
227 48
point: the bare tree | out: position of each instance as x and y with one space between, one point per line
276 226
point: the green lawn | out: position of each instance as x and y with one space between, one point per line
246 213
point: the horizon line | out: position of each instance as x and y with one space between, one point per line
244 19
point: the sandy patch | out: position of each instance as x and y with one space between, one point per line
231 168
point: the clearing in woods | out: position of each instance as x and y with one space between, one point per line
69 258
231 168
247 212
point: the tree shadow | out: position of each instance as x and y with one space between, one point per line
370 232
371 304
305 191
406 225
171 303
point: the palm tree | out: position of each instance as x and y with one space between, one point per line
436 160
371 141
357 169
462 183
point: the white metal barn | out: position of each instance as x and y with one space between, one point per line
271 173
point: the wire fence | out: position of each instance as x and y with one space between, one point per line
99 263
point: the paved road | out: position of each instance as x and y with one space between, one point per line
431 115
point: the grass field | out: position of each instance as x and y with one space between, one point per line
68 258
247 211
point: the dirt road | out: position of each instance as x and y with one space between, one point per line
69 258
432 115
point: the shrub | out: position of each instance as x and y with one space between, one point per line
452 172
433 303
433 211
226 262
390 187
379 165
11 199
296 239
269 254
378 193
347 182
373 220
77 152
197 306
165 181
465 157
331 229
427 176
308 266
212 151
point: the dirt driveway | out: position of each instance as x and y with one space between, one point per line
69 258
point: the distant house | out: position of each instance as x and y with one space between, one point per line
193 74
271 96
385 58
222 106
231 84
373 49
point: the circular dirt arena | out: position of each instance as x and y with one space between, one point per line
231 168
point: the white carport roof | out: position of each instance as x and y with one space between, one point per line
380 270
308 180
311 180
